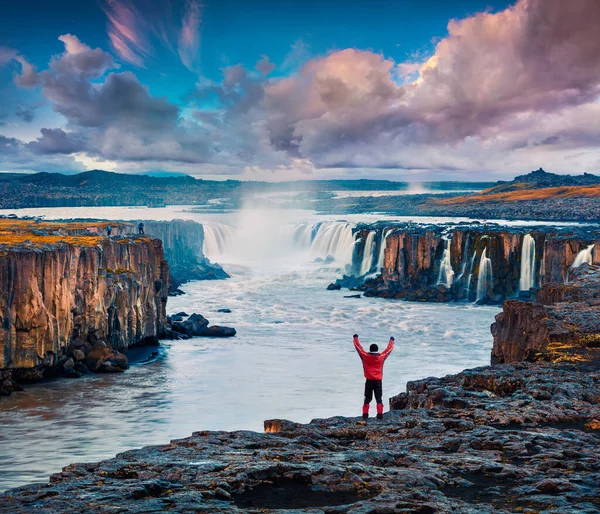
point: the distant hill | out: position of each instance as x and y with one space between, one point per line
11 176
101 178
539 179
99 187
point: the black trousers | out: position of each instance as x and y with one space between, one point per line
373 386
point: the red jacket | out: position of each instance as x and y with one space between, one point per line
373 362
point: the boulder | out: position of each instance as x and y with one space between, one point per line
118 359
78 355
217 331
192 326
68 364
96 357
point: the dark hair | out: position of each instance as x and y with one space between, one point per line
373 348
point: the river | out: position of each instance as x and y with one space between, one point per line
292 357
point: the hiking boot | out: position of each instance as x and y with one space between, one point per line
365 416
379 416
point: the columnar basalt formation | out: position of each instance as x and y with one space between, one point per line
183 245
562 325
413 257
62 292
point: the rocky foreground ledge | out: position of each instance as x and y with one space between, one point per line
502 439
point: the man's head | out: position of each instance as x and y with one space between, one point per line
373 348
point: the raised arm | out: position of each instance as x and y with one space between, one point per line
358 347
385 354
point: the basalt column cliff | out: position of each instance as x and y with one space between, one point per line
75 300
474 262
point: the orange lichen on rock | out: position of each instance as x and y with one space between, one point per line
526 194
36 233
36 240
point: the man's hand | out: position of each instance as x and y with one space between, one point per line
392 338
355 335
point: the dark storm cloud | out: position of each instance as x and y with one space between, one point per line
9 145
56 141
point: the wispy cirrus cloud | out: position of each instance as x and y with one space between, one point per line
128 31
137 30
189 36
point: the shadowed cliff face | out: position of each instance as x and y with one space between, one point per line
113 290
563 325
475 263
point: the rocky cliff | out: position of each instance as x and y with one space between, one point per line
476 262
562 325
183 242
61 290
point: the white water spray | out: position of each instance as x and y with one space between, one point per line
218 239
446 275
584 255
485 277
527 278
333 238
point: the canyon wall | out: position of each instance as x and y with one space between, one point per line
183 242
562 325
475 262
56 289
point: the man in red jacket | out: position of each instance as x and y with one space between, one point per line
373 366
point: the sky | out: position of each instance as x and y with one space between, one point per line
288 89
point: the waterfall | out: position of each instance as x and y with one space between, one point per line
324 239
333 238
584 255
218 239
527 279
446 275
485 277
382 247
471 266
367 260
303 235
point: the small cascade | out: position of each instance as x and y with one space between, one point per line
369 250
335 239
446 275
485 277
584 255
527 278
463 267
382 247
218 239
471 268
